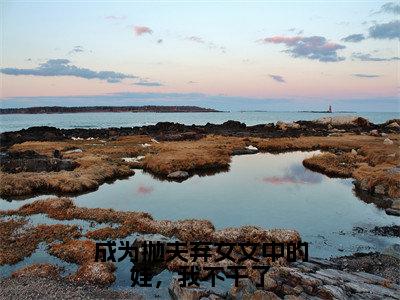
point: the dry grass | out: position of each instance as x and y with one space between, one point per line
132 222
75 251
211 152
334 165
91 173
101 160
18 241
83 252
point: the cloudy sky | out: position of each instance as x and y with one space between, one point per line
308 52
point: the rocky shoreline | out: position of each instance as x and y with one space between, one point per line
353 277
167 131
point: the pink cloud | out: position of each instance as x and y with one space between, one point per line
139 30
144 190
312 47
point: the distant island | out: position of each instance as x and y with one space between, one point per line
95 109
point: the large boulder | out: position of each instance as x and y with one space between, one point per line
343 120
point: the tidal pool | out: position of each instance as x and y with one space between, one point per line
266 190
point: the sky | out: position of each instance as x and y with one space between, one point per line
247 55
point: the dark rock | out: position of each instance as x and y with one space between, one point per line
393 212
393 230
30 161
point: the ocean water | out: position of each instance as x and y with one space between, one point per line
103 120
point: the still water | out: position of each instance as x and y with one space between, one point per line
104 120
267 190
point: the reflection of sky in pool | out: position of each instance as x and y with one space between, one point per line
267 190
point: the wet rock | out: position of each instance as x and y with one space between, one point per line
392 212
178 175
390 230
387 141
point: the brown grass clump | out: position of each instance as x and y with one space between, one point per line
75 251
92 172
38 270
211 152
83 252
99 162
64 209
132 222
334 165
18 241
100 273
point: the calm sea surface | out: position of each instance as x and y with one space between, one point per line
104 120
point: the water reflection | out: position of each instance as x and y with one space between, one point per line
295 174
143 190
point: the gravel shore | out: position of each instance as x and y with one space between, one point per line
47 288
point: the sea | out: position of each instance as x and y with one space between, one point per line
13 122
